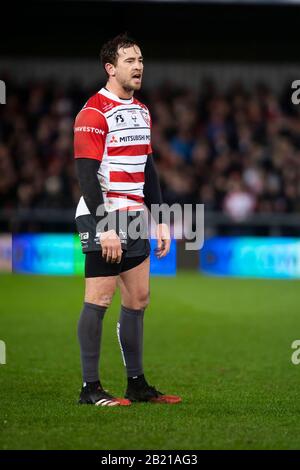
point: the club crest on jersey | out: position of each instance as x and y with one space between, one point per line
134 117
146 117
113 140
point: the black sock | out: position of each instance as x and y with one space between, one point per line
92 385
136 381
130 334
89 335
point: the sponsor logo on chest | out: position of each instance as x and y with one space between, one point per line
129 126
129 119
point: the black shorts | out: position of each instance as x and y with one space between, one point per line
96 266
135 251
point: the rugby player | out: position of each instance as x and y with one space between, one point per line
116 173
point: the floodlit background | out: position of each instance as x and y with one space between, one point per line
226 134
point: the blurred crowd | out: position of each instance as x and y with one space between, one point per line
236 151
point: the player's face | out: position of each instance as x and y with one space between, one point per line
129 68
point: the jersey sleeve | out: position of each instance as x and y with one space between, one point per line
90 130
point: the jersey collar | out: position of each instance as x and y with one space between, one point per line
114 97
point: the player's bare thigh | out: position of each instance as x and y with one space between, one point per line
135 286
100 290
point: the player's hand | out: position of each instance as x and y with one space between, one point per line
163 240
111 246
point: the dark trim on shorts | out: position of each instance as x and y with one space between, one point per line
96 266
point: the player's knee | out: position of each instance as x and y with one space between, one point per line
103 300
138 301
143 300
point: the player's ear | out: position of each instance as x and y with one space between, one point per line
110 69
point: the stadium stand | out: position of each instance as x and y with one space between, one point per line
235 150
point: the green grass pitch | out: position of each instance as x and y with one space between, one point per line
223 344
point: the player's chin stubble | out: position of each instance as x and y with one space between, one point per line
128 87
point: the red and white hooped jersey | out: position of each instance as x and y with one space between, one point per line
117 133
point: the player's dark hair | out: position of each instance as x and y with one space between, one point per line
109 50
